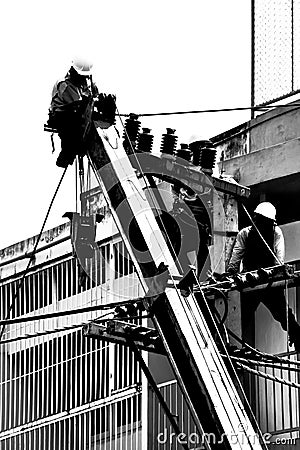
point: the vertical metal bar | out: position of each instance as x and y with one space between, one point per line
74 426
9 384
58 372
274 400
110 424
69 433
293 49
116 406
75 377
99 413
79 441
252 59
289 374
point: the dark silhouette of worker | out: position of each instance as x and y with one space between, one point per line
252 251
194 238
71 98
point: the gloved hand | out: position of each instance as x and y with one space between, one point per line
231 272
106 107
219 277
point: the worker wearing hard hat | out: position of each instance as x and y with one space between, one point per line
249 247
70 98
264 249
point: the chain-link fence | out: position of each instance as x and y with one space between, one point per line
275 50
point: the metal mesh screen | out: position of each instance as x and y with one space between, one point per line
276 49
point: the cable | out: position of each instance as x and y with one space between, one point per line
262 363
42 333
263 354
269 377
230 363
203 111
225 299
67 312
21 282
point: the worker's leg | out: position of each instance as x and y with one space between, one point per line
186 283
70 133
249 304
275 301
203 262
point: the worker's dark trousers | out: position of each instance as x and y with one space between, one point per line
203 266
274 300
69 125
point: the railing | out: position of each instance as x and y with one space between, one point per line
161 434
276 405
61 390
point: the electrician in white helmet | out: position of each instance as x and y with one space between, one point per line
70 98
251 250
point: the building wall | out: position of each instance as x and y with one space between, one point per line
268 162
62 390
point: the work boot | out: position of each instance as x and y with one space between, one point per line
64 160
294 335
295 340
61 161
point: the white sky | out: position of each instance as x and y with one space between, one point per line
155 56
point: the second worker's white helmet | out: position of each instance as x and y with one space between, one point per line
267 210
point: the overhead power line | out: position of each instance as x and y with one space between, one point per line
269 377
266 356
21 282
67 312
263 364
216 110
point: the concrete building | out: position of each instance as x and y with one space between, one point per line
263 154
60 389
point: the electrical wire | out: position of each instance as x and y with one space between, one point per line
269 377
99 319
216 110
262 363
230 363
263 354
21 282
225 300
67 312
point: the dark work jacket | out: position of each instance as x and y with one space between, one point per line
253 253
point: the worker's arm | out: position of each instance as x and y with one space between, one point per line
279 247
238 251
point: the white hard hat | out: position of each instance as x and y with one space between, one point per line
267 210
82 66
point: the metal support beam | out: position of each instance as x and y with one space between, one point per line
154 387
117 331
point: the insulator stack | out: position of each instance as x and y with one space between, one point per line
132 127
184 152
204 155
169 142
145 141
